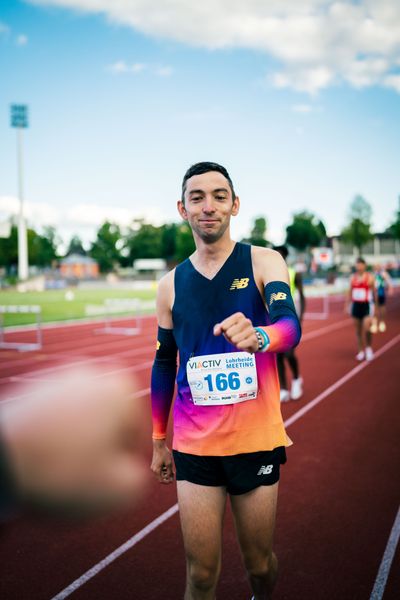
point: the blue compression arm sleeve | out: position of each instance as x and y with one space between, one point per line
284 332
163 381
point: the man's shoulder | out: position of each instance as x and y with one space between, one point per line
260 253
166 281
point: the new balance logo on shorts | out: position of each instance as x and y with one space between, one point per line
239 284
265 470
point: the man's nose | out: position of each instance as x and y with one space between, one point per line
208 205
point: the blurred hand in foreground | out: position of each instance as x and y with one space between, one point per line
73 443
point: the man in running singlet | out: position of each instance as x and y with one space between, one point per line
228 310
361 297
383 284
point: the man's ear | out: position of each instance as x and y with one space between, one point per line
182 210
235 206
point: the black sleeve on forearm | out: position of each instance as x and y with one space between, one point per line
163 381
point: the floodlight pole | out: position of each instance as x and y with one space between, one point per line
23 268
19 120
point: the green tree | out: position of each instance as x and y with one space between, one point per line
9 250
42 248
306 231
145 242
105 249
358 231
185 245
258 232
75 246
47 251
394 229
168 241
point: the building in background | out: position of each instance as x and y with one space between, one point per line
381 249
77 266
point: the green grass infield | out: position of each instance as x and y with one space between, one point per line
67 304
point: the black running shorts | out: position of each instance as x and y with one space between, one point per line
239 473
381 299
360 310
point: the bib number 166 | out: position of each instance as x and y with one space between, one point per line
222 381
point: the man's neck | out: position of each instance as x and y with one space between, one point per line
208 258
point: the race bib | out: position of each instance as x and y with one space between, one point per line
359 295
227 378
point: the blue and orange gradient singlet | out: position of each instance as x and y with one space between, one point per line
199 304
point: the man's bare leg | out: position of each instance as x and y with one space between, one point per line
201 511
367 330
254 515
359 334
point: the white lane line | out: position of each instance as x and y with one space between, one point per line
387 559
74 323
31 375
78 363
138 394
321 330
108 347
114 555
339 383
137 367
151 526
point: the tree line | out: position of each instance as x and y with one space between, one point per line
119 247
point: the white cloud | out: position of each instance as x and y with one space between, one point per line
4 29
138 67
118 67
304 80
78 217
35 213
317 42
123 67
164 71
302 108
392 81
21 40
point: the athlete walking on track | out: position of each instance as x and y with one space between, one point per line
227 309
361 298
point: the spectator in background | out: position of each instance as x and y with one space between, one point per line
358 301
383 284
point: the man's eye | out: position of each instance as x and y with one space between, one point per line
196 198
220 197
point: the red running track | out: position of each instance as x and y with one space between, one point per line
339 492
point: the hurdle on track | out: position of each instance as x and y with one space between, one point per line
115 306
21 309
323 313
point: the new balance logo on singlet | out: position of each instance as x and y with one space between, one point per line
265 470
277 296
239 284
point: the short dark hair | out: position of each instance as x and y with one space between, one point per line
205 167
283 251
360 259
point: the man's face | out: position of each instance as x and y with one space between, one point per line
208 205
360 267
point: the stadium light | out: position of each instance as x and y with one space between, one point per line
19 121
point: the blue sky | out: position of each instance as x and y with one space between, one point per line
300 101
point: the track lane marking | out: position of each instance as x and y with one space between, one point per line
116 553
387 559
297 415
154 524
30 375
137 367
